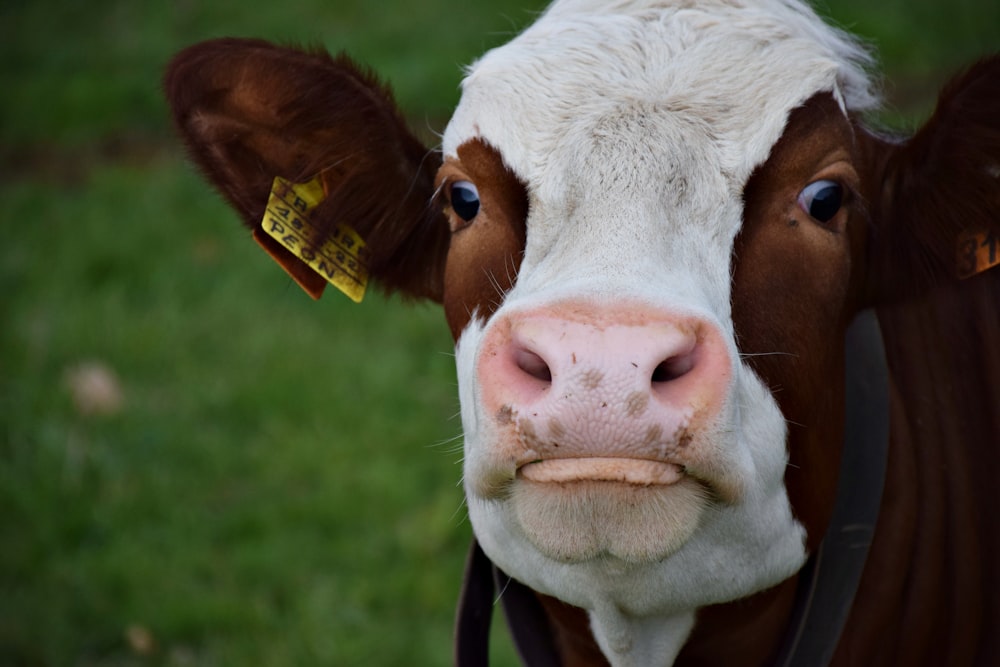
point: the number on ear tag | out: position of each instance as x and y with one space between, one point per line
339 260
977 251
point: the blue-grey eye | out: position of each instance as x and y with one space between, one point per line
464 200
822 200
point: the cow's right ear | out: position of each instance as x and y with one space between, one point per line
250 111
935 198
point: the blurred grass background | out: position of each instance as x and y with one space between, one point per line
198 464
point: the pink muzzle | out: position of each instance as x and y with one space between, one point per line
614 393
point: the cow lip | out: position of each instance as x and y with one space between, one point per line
639 472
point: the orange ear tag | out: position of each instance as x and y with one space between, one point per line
977 251
287 234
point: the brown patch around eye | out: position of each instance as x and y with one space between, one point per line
485 252
793 286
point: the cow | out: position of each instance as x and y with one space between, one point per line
652 226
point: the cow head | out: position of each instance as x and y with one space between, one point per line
649 227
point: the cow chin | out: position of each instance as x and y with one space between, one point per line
574 522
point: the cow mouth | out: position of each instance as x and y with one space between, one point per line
638 472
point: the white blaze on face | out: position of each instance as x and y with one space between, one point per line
618 454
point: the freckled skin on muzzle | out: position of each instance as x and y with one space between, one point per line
604 427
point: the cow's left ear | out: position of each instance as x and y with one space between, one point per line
250 111
935 199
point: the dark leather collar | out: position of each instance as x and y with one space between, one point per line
526 620
828 581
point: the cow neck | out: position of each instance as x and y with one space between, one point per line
828 582
931 594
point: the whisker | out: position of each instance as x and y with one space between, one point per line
496 285
445 442
461 506
436 133
500 594
745 355
511 280
432 201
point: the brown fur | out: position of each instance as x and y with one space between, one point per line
931 594
799 275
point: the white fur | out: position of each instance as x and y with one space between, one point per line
635 126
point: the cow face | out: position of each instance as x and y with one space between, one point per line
649 230
625 242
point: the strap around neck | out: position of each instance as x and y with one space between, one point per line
829 581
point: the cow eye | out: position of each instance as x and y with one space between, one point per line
464 200
822 199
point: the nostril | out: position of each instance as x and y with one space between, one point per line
673 368
533 365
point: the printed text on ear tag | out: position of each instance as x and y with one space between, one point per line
340 259
978 251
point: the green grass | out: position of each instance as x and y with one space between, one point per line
274 475
70 71
279 486
919 45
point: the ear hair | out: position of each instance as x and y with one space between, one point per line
249 111
945 180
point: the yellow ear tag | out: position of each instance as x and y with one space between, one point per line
977 251
340 260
